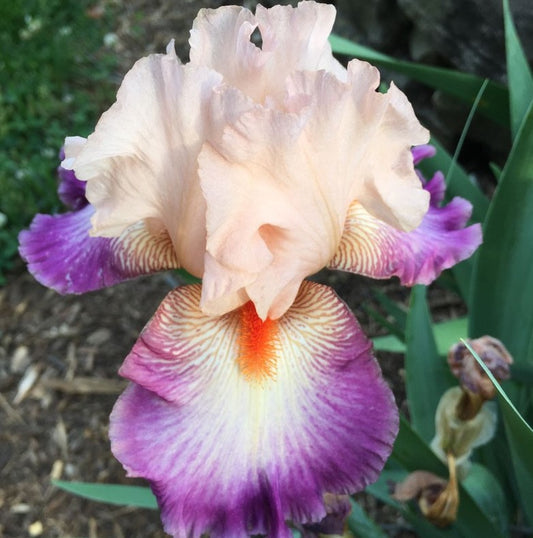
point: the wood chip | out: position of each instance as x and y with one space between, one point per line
57 470
85 385
59 435
99 337
93 529
35 529
20 360
27 382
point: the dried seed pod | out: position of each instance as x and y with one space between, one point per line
443 511
471 376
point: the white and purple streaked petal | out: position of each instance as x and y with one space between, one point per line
61 254
373 248
241 425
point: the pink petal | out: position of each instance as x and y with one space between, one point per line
235 444
278 184
140 163
292 39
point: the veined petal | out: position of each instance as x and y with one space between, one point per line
278 184
61 254
293 39
140 163
241 425
373 248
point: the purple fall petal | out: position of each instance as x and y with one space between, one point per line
235 457
61 254
373 248
71 190
422 152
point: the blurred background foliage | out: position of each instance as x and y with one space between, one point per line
56 78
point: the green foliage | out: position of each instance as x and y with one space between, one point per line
111 493
427 374
361 525
519 73
461 85
55 79
486 490
503 280
520 436
445 334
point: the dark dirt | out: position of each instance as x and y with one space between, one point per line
59 357
53 429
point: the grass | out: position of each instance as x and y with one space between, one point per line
56 78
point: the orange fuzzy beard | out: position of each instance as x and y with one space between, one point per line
258 343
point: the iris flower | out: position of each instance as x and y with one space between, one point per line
252 167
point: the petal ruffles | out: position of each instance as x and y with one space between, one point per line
373 248
278 183
235 453
293 39
61 254
141 161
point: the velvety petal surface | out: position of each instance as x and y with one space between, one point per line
71 190
371 247
422 152
278 184
292 39
61 254
140 163
241 425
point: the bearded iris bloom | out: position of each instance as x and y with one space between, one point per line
254 394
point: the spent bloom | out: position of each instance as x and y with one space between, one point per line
471 376
437 498
255 393
457 435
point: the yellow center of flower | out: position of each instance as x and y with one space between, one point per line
258 345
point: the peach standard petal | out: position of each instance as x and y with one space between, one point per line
279 183
250 156
292 39
140 162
